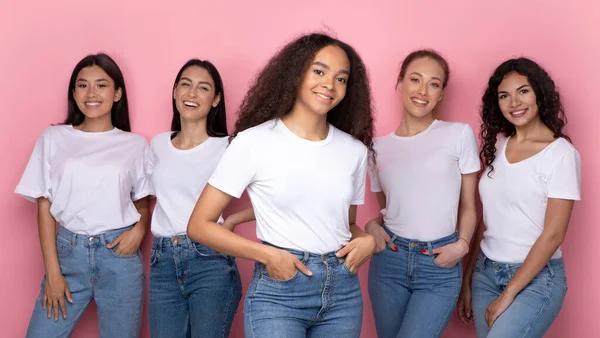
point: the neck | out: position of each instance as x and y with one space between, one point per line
411 125
192 134
307 125
533 130
96 125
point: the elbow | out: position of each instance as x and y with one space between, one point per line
194 230
555 238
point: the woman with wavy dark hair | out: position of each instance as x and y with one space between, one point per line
301 150
194 291
532 176
88 176
425 179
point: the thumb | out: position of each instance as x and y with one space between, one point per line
468 312
387 237
437 251
68 294
300 266
115 242
345 250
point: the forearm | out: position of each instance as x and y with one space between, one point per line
357 231
242 216
539 255
467 222
143 208
475 250
47 234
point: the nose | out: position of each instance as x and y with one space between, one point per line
514 101
423 88
328 82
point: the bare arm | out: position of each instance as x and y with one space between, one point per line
129 242
361 246
203 228
373 227
467 209
238 218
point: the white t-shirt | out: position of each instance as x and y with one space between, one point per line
421 178
91 179
515 198
301 190
178 178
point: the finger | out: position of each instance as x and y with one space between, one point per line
55 308
345 250
63 307
68 294
461 312
437 251
425 252
115 242
300 266
468 311
49 308
386 237
487 319
44 302
393 246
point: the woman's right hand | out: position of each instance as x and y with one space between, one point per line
282 265
55 290
381 237
465 312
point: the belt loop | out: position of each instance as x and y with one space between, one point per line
160 244
550 269
430 249
305 258
73 239
392 240
189 242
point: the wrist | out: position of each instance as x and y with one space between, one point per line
266 254
510 291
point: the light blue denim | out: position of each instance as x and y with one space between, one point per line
194 291
327 304
533 310
116 283
411 296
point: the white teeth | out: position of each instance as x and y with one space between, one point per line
324 97
190 104
520 112
419 101
92 104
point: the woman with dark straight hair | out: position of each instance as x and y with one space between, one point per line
88 175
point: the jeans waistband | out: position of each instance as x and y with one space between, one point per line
551 265
105 238
417 244
305 256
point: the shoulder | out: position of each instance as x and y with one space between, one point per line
257 133
455 128
561 147
348 141
160 138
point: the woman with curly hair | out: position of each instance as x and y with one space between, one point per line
301 149
531 179
425 179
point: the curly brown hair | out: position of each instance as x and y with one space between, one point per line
283 75
493 122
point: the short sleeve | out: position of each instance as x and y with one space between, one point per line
151 161
360 178
374 177
36 182
468 160
142 186
565 179
236 169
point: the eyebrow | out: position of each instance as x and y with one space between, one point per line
318 63
421 75
85 80
523 86
201 82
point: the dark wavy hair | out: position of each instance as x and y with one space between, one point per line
216 121
550 108
119 113
283 75
421 54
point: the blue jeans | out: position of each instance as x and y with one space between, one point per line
115 282
533 310
328 303
410 294
194 291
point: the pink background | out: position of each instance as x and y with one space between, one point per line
41 41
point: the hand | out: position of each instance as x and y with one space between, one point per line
358 251
449 255
465 312
497 308
282 265
229 224
55 290
381 237
128 242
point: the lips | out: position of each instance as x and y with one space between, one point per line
419 102
190 104
518 113
93 104
324 97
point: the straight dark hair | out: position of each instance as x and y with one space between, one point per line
119 114
216 121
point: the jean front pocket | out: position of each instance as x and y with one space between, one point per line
206 252
63 246
265 275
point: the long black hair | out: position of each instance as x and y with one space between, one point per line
119 114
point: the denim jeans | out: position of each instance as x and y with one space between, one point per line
533 310
116 283
327 304
194 291
410 294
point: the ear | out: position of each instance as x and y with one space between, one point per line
399 86
118 94
216 100
441 97
174 91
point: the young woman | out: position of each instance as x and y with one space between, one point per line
194 291
531 179
425 178
88 175
301 151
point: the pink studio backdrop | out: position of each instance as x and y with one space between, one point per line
41 41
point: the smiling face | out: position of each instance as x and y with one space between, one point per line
195 94
95 92
422 87
324 83
517 100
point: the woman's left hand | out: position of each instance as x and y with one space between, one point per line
358 251
449 255
129 242
497 307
